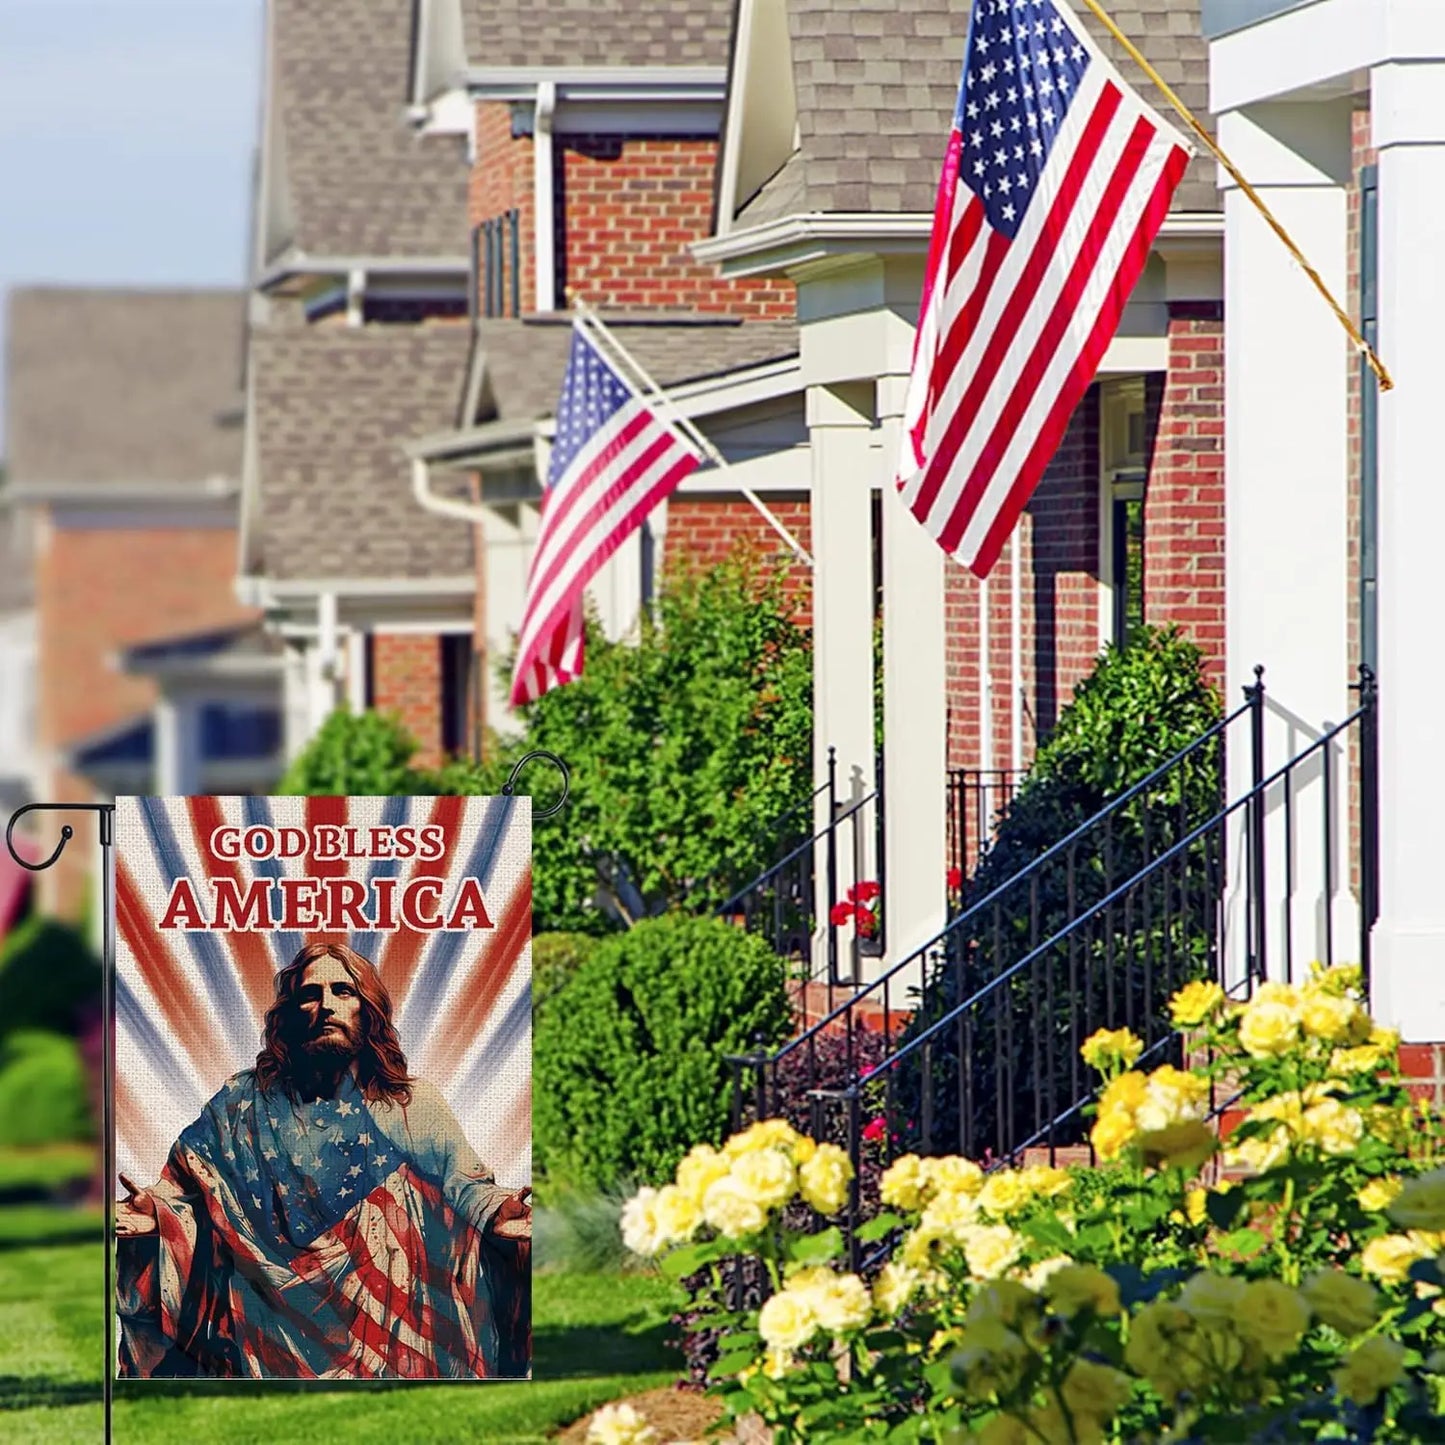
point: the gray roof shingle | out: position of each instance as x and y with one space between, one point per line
525 359
876 82
362 182
333 407
124 386
577 33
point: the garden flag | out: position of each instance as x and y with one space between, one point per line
322 1086
1056 181
613 461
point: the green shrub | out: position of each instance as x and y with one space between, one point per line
48 974
629 1066
555 958
580 1232
357 755
42 1090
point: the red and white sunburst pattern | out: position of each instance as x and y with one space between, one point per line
190 1004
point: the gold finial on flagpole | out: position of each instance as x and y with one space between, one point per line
1359 342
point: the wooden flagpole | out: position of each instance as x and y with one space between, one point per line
681 423
1361 345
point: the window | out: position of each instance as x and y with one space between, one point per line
459 678
231 731
1126 571
1124 449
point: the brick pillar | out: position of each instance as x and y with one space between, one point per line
407 681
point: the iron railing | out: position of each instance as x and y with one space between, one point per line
991 1066
976 799
792 902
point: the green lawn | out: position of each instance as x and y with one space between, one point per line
596 1338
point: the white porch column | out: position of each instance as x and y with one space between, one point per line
915 700
1286 460
176 720
1409 940
844 466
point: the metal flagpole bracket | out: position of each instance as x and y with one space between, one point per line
105 817
509 788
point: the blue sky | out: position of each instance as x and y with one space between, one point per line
127 129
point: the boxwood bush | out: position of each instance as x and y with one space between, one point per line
630 1066
42 1090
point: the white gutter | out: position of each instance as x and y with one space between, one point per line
599 82
442 506
215 488
542 230
298 263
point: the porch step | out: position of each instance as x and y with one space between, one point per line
816 1001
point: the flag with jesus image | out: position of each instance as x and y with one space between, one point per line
613 461
1056 181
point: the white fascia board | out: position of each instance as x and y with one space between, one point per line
298 263
362 587
602 82
735 389
796 241
784 472
123 494
1326 47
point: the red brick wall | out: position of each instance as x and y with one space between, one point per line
630 207
406 679
501 179
703 531
96 592
1059 633
1184 501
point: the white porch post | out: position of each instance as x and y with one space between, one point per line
176 720
915 699
1286 468
844 467
1408 120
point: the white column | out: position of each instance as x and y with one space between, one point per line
1409 939
844 467
1286 460
915 704
176 721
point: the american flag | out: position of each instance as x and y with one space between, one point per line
1056 181
613 461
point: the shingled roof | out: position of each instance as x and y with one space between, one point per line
122 387
361 181
876 82
333 404
576 33
524 359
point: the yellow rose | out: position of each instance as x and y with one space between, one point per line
701 1166
1195 1002
1268 1029
1284 994
1362 1059
1037 1276
765 1175
1342 1301
1372 1366
841 1302
1379 1192
1044 1181
1170 1096
642 1232
950 1216
916 1248
732 1210
823 1179
1420 1203
895 1286
1342 979
1126 1092
765 1134
1003 1191
1274 1317
1332 1127
1081 1287
1184 1145
787 1320
953 1174
1005 1300
1112 1133
1156 1351
1326 1017
1213 1298
1389 1258
677 1214
1259 1155
1095 1390
990 1249
619 1425
1107 1049
1006 1430
990 1360
1386 1040
903 1183
777 1363
1196 1206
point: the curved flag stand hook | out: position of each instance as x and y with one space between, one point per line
105 816
509 787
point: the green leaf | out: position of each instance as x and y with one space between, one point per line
679 1263
1242 1244
878 1226
726 1366
1046 1230
816 1248
1223 1209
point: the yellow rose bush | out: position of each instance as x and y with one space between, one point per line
1258 1253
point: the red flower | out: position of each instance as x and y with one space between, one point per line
864 892
842 913
867 924
955 878
875 1129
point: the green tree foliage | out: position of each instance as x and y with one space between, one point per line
47 975
362 755
42 1090
1140 706
629 1064
687 744
555 958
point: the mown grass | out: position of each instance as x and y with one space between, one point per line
596 1338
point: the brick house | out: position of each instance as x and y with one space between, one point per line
356 338
124 427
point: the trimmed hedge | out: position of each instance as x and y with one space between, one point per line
42 1090
630 1055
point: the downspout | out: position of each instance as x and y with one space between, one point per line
542 182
